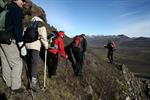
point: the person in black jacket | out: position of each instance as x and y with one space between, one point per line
110 48
12 51
78 52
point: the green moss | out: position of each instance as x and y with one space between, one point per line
124 87
67 94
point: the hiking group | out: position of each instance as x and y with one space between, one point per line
21 46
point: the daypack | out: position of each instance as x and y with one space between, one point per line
31 33
77 42
5 37
51 38
3 12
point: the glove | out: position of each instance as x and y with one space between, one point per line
22 48
105 46
66 57
46 46
85 53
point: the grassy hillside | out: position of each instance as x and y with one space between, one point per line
137 59
101 81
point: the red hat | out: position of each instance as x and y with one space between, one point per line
61 33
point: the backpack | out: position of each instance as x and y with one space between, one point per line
31 34
77 42
3 12
5 37
51 38
113 45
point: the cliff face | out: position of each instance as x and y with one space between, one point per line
31 10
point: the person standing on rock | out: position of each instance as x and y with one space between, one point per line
110 46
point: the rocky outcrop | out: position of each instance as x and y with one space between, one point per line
132 87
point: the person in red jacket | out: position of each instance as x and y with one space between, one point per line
52 57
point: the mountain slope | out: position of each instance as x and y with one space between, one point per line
121 41
101 80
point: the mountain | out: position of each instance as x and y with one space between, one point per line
137 42
121 41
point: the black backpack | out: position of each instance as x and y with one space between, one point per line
31 33
5 36
51 38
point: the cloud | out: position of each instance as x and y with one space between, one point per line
137 29
128 14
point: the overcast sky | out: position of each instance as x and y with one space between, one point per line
99 17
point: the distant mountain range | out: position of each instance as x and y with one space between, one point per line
121 41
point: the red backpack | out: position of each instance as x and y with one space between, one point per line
77 41
113 44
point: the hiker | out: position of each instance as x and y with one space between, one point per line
54 52
68 51
12 47
79 46
33 47
110 46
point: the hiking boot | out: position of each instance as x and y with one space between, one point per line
17 91
7 90
80 74
34 85
3 96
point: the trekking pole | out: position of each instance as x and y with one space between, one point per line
66 65
27 73
66 62
45 69
28 77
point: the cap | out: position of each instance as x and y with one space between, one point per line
61 33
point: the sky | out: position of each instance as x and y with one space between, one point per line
98 17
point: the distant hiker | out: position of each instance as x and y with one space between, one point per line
110 46
79 46
12 46
35 36
56 47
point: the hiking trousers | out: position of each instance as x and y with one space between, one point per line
78 55
110 56
33 57
11 65
52 61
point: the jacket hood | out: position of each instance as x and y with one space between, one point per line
36 18
61 34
